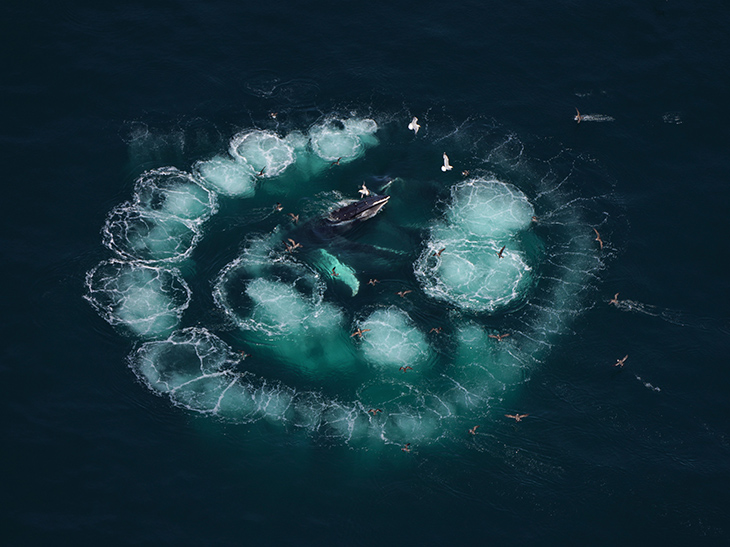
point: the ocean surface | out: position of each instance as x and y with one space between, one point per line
176 370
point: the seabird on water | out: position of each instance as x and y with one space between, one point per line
446 166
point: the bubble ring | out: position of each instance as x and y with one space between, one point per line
112 284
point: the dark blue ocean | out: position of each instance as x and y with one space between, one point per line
173 372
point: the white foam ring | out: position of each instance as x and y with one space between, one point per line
484 216
163 222
170 192
342 139
138 234
148 301
245 275
227 177
279 304
262 150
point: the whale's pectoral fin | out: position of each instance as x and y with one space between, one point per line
331 267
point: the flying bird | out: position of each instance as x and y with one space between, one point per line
438 253
278 206
374 411
413 126
406 368
465 173
406 448
598 238
337 162
293 247
294 218
364 191
403 293
620 362
244 354
359 332
517 417
473 430
334 273
437 330
273 115
614 300
373 282
499 254
498 337
578 116
446 166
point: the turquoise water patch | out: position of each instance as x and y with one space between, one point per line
393 340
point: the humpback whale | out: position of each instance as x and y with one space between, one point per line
360 210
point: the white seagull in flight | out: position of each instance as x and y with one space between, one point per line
446 166
413 126
364 191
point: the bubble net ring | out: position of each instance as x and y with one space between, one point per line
143 293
